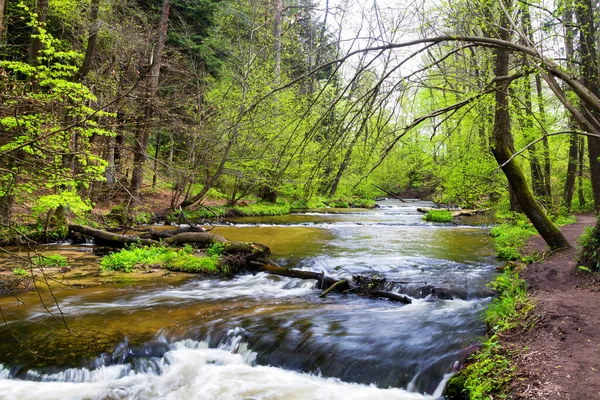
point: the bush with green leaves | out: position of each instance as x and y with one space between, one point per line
511 235
20 271
439 216
588 258
45 109
184 260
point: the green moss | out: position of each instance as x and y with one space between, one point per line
128 260
439 216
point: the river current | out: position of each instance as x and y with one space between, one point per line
261 336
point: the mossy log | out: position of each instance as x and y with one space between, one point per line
455 212
198 239
112 239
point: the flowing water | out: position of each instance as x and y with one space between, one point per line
262 336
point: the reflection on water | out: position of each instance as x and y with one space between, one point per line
285 324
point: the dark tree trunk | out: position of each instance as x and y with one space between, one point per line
580 173
91 45
143 132
574 139
584 10
1 17
501 141
571 171
277 38
35 45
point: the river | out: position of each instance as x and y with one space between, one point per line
260 336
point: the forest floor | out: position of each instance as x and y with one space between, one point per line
561 359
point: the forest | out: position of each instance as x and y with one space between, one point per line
118 116
201 100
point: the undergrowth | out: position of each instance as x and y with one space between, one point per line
588 258
184 260
489 372
439 216
511 235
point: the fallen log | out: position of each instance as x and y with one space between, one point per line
205 239
198 239
389 193
167 233
323 281
112 239
455 212
330 288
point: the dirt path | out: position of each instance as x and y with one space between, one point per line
562 360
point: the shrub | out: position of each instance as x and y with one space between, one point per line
127 260
20 271
589 255
262 209
511 236
363 203
439 216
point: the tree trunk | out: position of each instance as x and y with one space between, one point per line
574 139
277 39
571 171
91 45
580 173
143 132
584 10
35 45
1 17
501 140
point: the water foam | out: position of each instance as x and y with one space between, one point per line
191 370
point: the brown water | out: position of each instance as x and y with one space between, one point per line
133 336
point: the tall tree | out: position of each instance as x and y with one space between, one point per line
502 150
143 131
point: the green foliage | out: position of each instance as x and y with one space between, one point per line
20 272
216 249
583 268
562 220
438 216
589 254
490 370
511 236
52 260
143 217
45 109
258 209
128 260
338 203
67 198
362 202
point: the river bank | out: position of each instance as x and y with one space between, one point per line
563 346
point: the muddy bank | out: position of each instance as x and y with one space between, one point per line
562 360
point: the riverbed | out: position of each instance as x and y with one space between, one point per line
261 336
